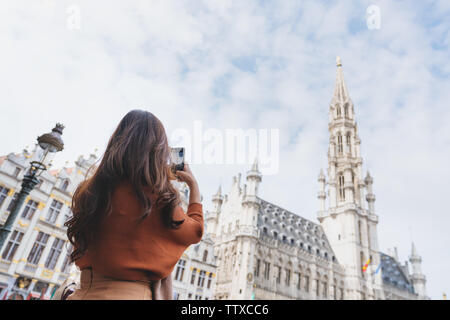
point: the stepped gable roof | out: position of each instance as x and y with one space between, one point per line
293 229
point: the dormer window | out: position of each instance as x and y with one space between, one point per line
16 171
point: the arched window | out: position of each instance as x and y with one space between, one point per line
339 143
362 263
341 187
338 111
205 255
360 233
346 110
65 185
348 142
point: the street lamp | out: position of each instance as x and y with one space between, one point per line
48 143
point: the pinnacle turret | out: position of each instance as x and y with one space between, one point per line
418 279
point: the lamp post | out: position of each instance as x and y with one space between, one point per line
47 143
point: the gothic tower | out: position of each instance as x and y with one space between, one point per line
246 237
233 228
349 221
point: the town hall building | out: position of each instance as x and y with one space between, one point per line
266 252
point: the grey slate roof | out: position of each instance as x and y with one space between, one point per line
292 229
393 274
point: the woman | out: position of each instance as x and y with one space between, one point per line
128 229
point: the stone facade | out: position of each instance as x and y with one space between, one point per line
35 255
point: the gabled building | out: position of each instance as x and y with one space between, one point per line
35 257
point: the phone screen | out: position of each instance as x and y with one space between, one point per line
177 158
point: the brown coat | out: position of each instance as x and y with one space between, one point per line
129 249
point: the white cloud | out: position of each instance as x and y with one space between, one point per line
178 59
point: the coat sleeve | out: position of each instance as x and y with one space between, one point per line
193 225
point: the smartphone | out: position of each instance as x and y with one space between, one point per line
177 158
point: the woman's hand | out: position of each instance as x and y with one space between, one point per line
186 176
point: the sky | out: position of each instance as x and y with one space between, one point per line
250 65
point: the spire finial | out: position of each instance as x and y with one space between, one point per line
219 191
340 89
255 164
413 250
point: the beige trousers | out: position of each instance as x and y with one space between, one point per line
94 286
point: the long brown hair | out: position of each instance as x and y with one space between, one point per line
138 152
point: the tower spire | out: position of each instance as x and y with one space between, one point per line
340 88
357 229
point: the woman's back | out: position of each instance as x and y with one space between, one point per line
129 248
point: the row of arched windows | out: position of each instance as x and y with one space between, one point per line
298 278
340 143
346 111
341 184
